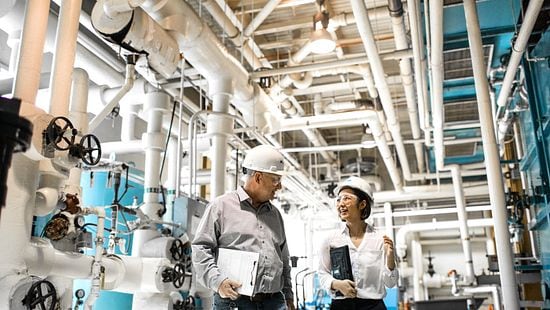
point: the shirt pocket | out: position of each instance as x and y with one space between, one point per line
370 271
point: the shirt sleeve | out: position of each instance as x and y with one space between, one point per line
287 279
325 275
203 248
389 276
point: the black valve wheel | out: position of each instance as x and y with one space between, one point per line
91 149
178 275
177 250
41 296
61 133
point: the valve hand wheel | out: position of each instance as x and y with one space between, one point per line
91 149
61 133
41 296
177 250
178 275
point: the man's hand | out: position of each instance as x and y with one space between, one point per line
228 288
290 304
346 287
388 249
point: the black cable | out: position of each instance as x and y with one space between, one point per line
168 138
94 225
126 186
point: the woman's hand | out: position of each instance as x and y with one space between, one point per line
346 287
388 249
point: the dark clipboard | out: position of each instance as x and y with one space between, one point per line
340 264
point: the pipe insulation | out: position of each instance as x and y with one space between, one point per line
463 220
64 56
492 161
204 51
367 36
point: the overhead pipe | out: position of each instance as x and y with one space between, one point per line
64 56
529 19
429 192
492 160
401 43
437 74
269 7
203 50
367 36
463 220
250 50
405 230
428 212
419 60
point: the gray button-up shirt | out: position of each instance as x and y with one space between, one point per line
230 221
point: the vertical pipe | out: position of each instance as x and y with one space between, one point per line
31 48
156 103
367 36
171 179
438 111
65 51
463 223
418 267
401 43
388 220
492 161
220 126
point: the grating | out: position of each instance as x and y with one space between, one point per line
461 111
458 62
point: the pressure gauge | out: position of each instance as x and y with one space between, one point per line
79 221
79 293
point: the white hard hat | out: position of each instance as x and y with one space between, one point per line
264 158
355 183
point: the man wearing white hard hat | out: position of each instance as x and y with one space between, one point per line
371 253
246 220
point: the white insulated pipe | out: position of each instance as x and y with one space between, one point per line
171 179
156 103
31 48
16 219
493 289
492 161
367 36
419 62
203 50
529 19
437 70
463 220
128 84
78 109
401 43
428 192
417 258
269 7
220 127
64 56
388 220
401 236
122 273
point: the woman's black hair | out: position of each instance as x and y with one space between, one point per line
365 213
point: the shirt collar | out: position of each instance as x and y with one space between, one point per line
344 228
243 196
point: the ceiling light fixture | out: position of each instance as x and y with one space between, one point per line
321 41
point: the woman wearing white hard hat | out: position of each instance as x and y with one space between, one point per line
371 253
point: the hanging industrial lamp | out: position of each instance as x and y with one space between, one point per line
321 42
